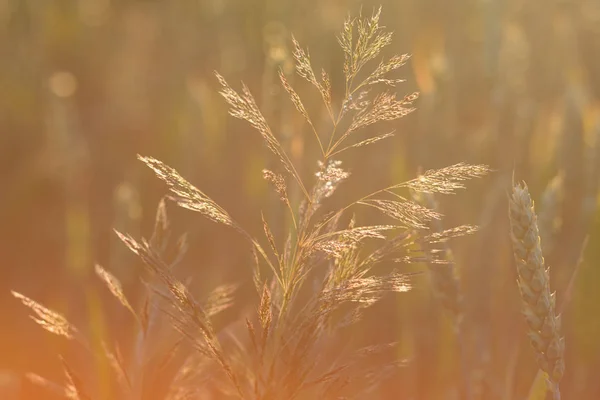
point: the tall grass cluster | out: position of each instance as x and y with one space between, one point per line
310 273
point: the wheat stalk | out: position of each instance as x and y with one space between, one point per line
534 285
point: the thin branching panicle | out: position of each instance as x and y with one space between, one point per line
410 214
50 320
244 107
446 180
187 195
115 287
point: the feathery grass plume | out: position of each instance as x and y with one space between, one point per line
295 98
370 41
446 180
305 70
244 107
365 142
384 107
550 219
340 244
357 234
413 215
325 92
447 234
50 320
371 38
384 68
410 214
534 284
366 290
220 299
115 287
303 67
55 323
186 195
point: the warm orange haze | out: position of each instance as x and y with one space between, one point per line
268 200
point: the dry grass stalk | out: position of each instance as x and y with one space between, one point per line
534 284
298 328
153 371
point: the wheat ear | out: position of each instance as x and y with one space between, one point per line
534 285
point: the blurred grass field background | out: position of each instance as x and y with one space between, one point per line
88 84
